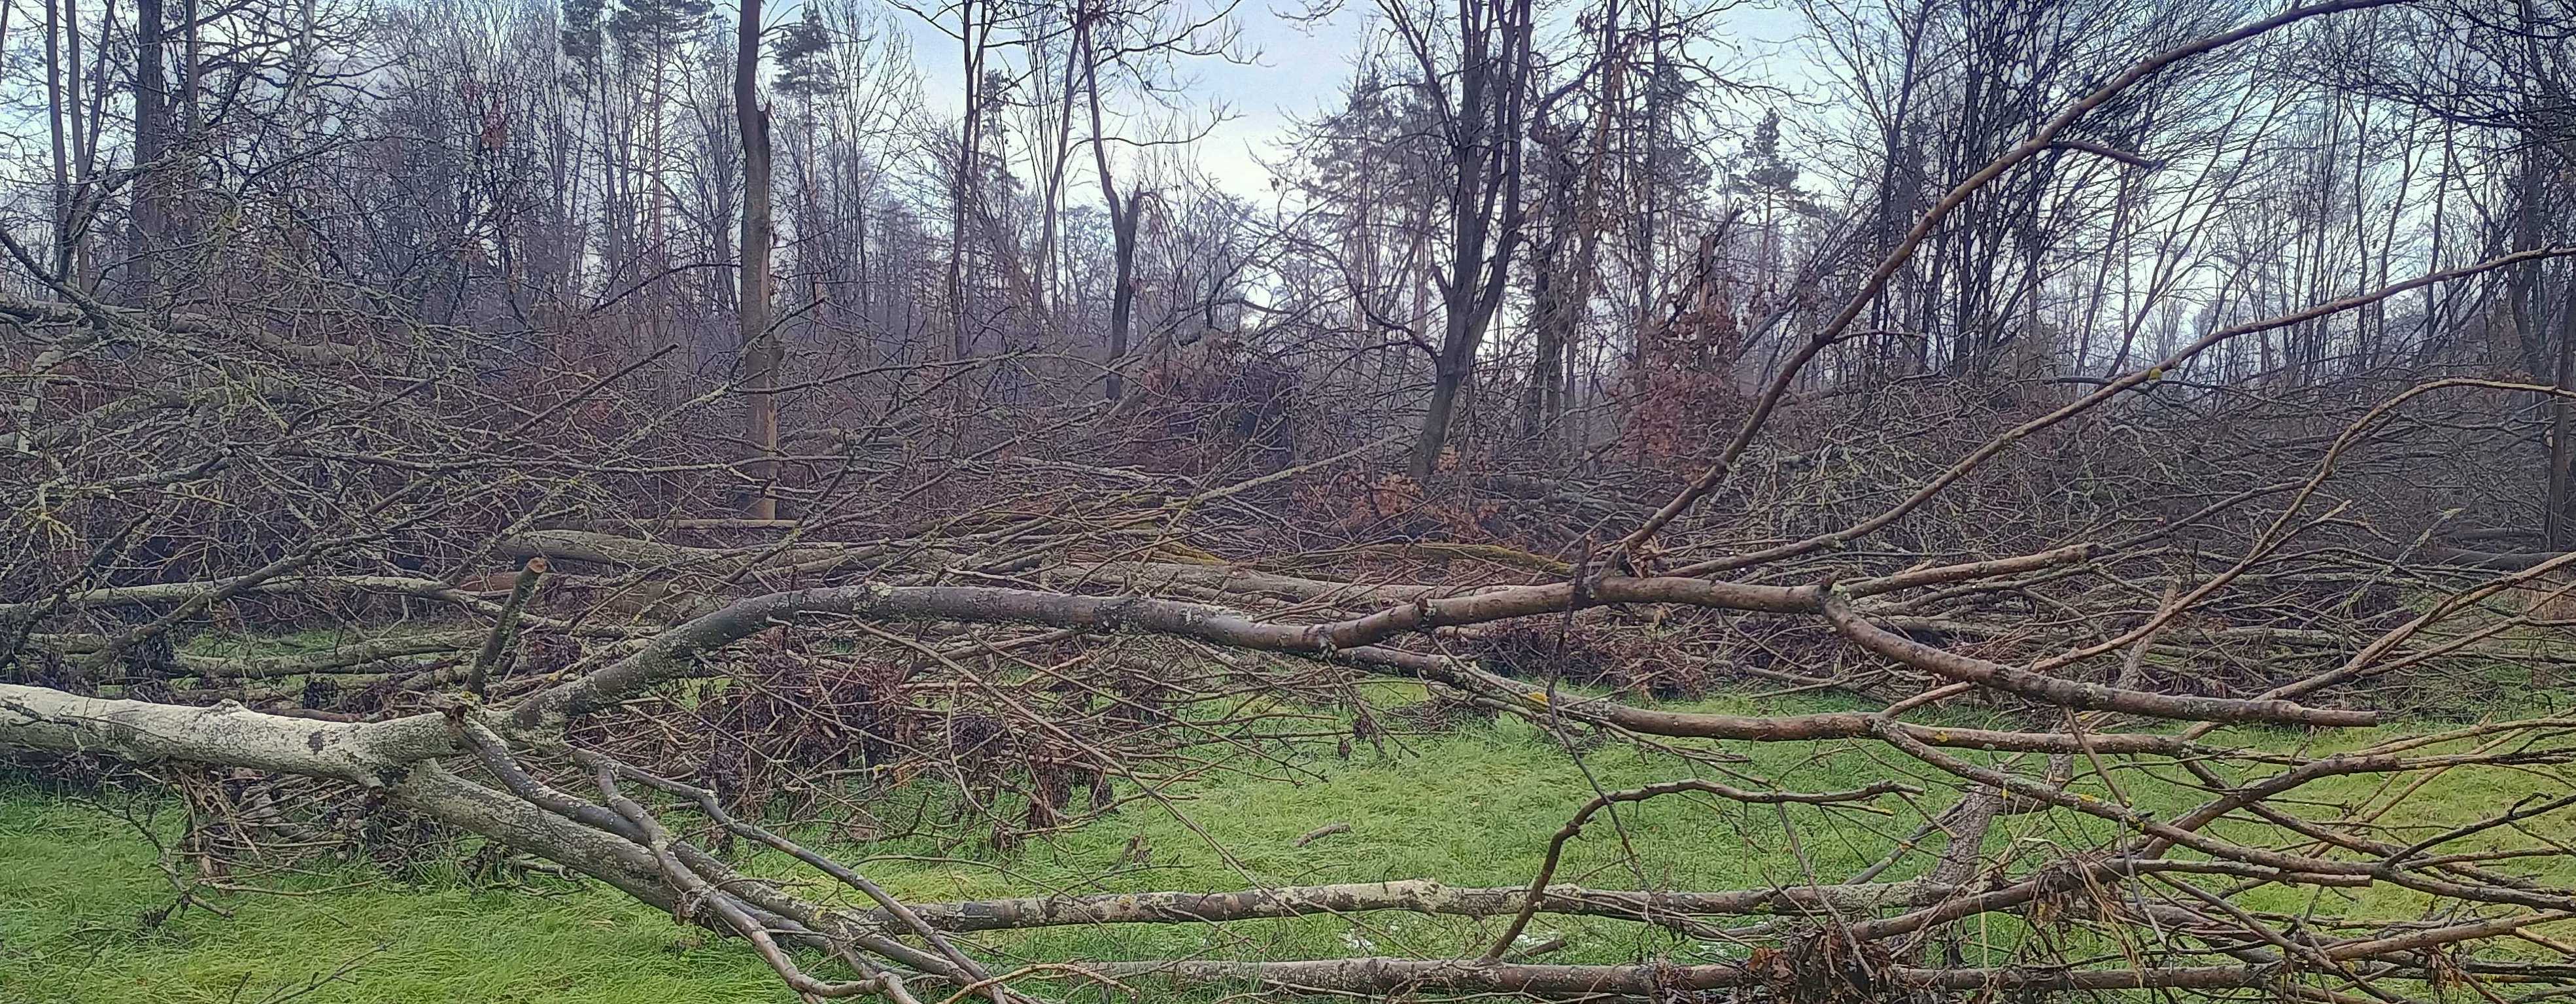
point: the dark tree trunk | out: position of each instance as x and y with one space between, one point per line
1485 208
1123 218
151 143
761 350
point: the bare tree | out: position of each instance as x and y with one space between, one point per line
1481 119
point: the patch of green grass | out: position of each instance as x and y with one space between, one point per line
1474 807
256 645
75 884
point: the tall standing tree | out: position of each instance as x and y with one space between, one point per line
762 351
151 144
1481 125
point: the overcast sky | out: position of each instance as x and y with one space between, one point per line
1299 66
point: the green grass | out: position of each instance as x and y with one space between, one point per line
76 882
1470 808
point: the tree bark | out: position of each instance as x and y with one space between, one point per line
1412 895
761 350
151 142
54 112
2554 521
1122 218
1485 208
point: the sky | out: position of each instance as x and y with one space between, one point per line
1297 67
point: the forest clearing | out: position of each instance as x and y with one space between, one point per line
1587 500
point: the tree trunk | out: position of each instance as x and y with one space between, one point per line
1122 216
54 112
2554 521
1434 437
1122 301
961 183
760 347
1484 205
2524 279
1572 296
151 141
1548 354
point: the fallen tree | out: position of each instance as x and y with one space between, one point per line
1102 628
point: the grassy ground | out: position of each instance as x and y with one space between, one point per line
1470 808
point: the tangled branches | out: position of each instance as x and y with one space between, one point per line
2187 628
